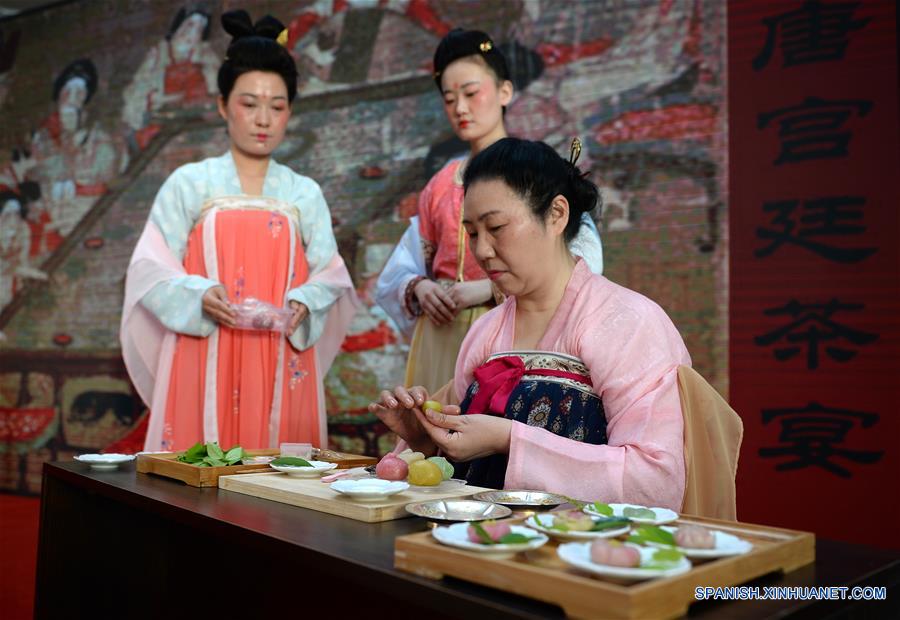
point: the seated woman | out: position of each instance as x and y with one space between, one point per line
570 385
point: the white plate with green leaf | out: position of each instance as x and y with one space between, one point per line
560 527
519 539
638 514
313 469
726 545
655 563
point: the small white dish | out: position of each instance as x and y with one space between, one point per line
104 462
726 545
446 486
663 515
457 535
541 523
317 469
371 489
579 555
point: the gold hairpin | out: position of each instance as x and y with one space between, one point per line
486 46
575 151
282 38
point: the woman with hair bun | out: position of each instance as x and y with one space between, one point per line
570 384
473 78
228 229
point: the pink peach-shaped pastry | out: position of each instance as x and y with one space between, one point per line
496 530
614 553
391 468
694 537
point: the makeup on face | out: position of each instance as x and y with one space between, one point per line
257 112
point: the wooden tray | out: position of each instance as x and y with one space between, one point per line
540 574
164 464
317 495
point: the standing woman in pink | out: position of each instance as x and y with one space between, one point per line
224 230
474 80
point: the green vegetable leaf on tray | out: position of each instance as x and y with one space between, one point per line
603 509
515 539
638 513
611 523
291 461
652 534
663 559
210 455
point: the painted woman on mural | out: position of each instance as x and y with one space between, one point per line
224 230
75 159
180 69
474 80
15 245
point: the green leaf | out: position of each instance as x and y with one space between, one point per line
638 513
482 534
538 521
234 455
654 534
663 559
213 450
198 449
603 509
610 524
291 461
213 461
515 539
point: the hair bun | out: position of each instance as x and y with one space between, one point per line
268 27
237 24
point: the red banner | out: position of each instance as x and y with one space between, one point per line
814 264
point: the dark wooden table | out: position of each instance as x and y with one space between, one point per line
128 545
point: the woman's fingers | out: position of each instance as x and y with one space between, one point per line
388 399
403 397
445 420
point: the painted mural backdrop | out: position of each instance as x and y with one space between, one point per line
92 125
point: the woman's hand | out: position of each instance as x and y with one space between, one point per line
216 305
466 437
468 294
398 411
435 302
300 314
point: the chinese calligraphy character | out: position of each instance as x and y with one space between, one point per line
813 129
815 32
812 326
831 216
812 433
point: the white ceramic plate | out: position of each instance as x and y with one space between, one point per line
104 462
318 468
371 489
540 523
579 555
457 535
726 545
663 515
446 486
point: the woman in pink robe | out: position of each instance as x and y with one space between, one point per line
570 385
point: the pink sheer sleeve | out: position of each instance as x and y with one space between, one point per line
633 356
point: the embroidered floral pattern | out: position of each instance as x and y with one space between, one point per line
275 225
295 371
539 411
239 282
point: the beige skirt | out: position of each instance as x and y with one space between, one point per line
433 350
